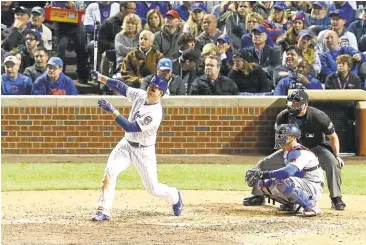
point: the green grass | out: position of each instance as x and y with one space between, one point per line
68 176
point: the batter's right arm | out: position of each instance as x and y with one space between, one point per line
114 84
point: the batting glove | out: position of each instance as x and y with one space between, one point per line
340 162
106 105
95 75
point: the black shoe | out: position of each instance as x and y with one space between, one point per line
253 201
337 203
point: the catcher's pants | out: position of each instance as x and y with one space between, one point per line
144 159
327 161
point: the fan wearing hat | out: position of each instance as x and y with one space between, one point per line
346 7
54 81
318 19
277 20
33 40
12 82
358 27
176 85
13 35
225 52
249 77
194 22
338 21
166 40
36 22
186 66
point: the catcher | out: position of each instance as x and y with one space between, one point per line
297 185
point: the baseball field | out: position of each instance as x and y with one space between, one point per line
52 203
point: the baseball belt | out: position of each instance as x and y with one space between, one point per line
136 145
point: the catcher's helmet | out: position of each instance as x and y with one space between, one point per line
283 132
299 96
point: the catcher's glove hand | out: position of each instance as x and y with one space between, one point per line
254 174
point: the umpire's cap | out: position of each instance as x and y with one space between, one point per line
298 96
159 82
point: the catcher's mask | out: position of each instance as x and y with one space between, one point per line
296 102
283 132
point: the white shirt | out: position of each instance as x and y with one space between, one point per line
147 116
92 13
46 37
349 35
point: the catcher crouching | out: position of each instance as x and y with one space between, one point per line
297 185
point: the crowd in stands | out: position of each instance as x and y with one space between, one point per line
232 48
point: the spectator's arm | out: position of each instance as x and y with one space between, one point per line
317 66
13 40
314 84
329 84
194 88
128 71
325 70
281 88
38 88
352 41
264 82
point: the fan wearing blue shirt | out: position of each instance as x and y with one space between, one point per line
54 81
12 82
299 80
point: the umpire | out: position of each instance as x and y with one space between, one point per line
314 124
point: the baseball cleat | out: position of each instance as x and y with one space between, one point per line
312 211
253 201
99 216
337 203
178 207
287 207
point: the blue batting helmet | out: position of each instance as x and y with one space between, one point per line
283 132
159 82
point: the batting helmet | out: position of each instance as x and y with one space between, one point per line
159 82
299 96
283 132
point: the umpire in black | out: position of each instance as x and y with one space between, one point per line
314 125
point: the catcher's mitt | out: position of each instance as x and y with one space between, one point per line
252 176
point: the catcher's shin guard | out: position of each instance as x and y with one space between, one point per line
269 190
293 193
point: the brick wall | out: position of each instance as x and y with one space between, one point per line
59 125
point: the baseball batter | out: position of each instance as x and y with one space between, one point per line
300 182
138 145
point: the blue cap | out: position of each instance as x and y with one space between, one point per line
199 6
55 61
165 64
38 10
320 4
159 82
304 33
338 12
224 38
280 5
33 32
260 28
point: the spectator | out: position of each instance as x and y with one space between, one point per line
14 34
221 8
358 27
252 20
298 80
184 10
248 77
37 19
155 21
41 56
291 37
210 33
225 53
343 78
328 58
141 61
12 82
186 66
176 85
318 20
54 81
166 40
128 38
291 62
307 52
186 41
299 6
338 20
194 23
32 41
75 32
263 8
268 58
143 7
208 50
277 20
235 23
16 53
346 8
99 11
7 15
212 83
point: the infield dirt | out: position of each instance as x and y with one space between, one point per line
209 217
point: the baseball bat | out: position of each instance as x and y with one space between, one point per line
95 61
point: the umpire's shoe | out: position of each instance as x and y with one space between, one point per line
337 203
253 201
178 207
99 216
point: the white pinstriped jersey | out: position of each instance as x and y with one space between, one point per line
148 117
